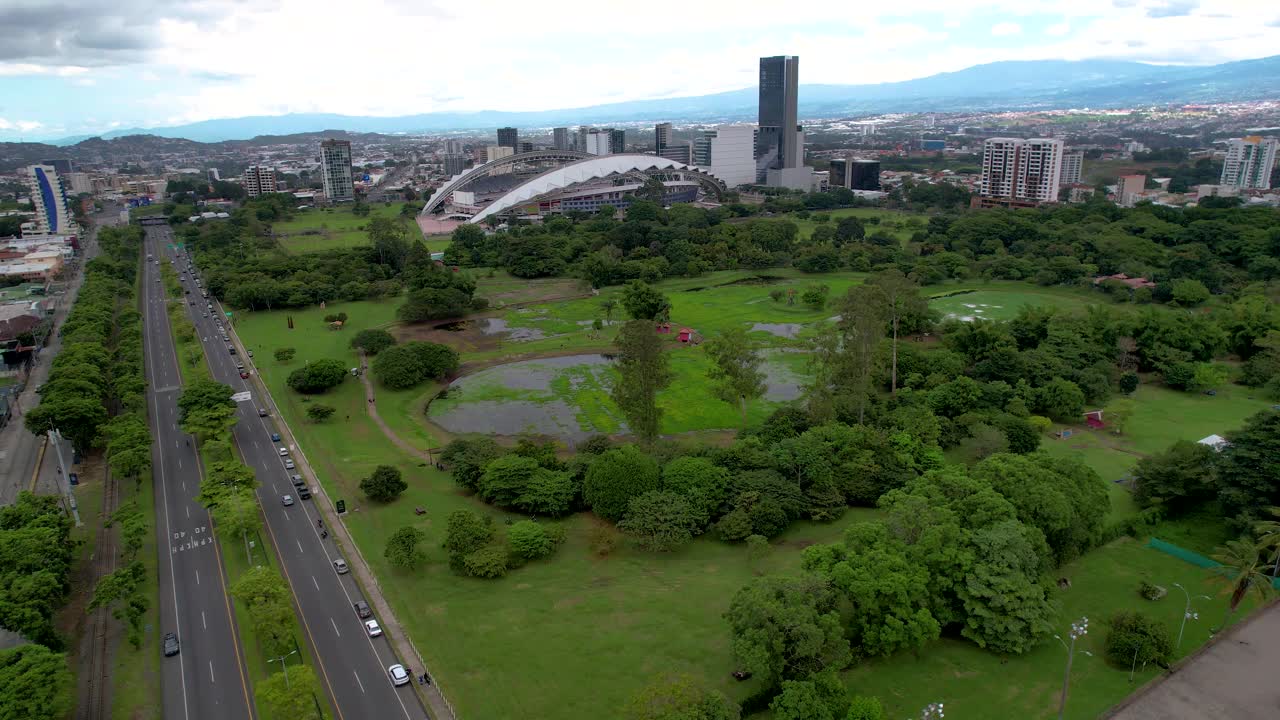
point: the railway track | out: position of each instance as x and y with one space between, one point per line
96 701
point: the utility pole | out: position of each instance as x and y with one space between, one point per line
64 483
284 665
1186 612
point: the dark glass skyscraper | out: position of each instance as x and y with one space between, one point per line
778 142
509 137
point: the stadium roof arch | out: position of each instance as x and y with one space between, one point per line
465 178
591 168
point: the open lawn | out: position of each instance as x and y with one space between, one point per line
1002 299
319 229
900 224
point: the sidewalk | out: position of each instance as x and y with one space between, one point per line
437 706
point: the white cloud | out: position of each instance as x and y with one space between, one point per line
20 125
1058 30
1005 29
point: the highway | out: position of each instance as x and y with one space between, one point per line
207 679
351 665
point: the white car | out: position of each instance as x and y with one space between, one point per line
288 465
286 500
371 626
284 451
340 566
398 675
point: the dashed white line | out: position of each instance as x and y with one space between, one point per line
299 545
335 627
202 621
211 678
197 577
313 582
188 512
353 672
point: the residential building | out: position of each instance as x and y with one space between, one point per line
62 166
335 170
581 140
778 143
1072 167
214 174
1017 171
454 164
678 150
78 183
1130 188
452 147
525 146
728 153
509 137
597 142
1249 162
496 152
617 141
259 179
855 174
661 138
560 138
49 196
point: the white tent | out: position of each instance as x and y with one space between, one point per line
1217 442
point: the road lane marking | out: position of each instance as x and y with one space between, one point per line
211 678
313 582
335 627
300 551
202 620
353 672
188 509
179 463
197 577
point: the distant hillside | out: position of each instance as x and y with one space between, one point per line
1001 85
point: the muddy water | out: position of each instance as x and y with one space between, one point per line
493 326
783 330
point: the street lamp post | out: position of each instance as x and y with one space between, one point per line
1186 612
284 665
1079 629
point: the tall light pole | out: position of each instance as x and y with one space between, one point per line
283 665
1079 629
1186 612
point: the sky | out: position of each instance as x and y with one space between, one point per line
74 67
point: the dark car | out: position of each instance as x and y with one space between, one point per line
275 437
170 644
362 609
244 375
304 493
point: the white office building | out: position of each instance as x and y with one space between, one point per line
1249 163
259 179
1021 170
598 142
728 152
1072 167
335 170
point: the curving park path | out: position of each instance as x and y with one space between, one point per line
371 406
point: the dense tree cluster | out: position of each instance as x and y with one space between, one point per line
477 549
36 552
402 366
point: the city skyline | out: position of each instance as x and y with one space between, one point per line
80 68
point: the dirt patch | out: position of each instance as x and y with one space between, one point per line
461 336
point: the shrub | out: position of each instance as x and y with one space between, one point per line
284 355
617 476
319 412
318 376
1137 638
529 541
660 521
815 296
403 366
465 532
373 341
467 459
488 562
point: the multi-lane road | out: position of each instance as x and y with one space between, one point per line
351 665
207 679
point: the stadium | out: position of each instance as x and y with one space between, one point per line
542 182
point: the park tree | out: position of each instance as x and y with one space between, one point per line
815 296
659 521
617 476
204 393
384 484
121 591
1060 399
434 303
863 313
864 707
291 696
389 239
506 478
284 355
403 549
237 516
1179 479
905 308
468 458
404 366
679 697
643 302
529 540
490 561
786 628
643 371
800 700
1248 469
1241 571
1007 609
608 305
1189 292
319 412
1136 640
703 484
128 441
373 341
465 532
317 377
35 684
80 419
735 373
223 478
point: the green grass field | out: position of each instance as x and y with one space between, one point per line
1002 299
520 646
333 228
900 224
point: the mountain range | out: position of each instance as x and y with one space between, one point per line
1012 85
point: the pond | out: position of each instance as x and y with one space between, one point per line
568 397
